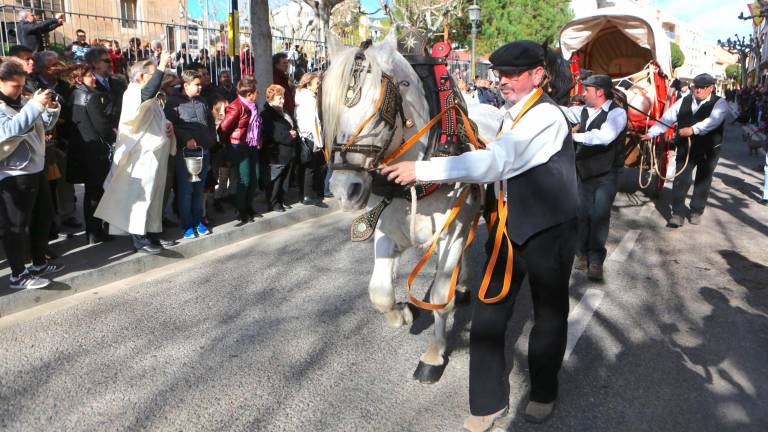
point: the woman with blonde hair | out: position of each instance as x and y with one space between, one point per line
311 155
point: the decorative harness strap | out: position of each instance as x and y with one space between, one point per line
501 234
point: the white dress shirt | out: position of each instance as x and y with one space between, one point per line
537 137
715 119
605 134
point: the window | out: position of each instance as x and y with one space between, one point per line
128 13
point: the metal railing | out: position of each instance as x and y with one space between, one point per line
129 38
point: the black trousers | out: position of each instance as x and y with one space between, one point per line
94 190
26 214
705 165
313 173
275 183
596 197
546 258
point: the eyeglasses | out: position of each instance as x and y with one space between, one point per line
509 75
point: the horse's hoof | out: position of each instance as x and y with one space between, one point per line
463 298
427 373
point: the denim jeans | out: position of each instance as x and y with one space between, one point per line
705 165
190 195
765 181
596 196
328 174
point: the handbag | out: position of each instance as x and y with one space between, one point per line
307 147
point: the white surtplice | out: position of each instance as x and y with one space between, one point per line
133 191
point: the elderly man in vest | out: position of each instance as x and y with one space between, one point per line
534 158
699 117
599 157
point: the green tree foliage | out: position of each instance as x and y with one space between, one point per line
503 21
733 71
678 58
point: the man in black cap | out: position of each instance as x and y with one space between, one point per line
699 117
602 125
533 156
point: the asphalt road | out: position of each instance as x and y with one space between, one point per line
276 333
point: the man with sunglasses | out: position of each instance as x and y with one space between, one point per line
533 157
98 58
699 117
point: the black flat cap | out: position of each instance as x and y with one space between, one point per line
517 56
600 81
703 80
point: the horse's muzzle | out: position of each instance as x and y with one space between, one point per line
351 188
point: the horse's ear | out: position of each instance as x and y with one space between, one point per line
334 45
390 41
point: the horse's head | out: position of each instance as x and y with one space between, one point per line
560 79
363 113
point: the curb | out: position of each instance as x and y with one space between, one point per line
134 263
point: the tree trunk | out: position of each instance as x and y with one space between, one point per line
261 46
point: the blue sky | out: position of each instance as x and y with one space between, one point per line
717 19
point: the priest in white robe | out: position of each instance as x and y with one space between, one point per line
133 191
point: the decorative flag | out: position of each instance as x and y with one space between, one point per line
754 10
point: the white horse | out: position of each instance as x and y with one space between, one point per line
398 229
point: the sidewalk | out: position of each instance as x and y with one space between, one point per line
90 266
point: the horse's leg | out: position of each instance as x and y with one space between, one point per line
432 362
380 288
462 290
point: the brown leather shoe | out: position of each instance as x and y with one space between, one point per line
595 271
580 262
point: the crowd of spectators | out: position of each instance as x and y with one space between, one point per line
132 126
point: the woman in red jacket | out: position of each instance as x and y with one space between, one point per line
241 128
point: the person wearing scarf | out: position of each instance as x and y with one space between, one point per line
241 128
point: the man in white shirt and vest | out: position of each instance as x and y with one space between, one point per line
534 156
699 117
599 158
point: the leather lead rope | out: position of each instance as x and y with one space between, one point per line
425 257
500 217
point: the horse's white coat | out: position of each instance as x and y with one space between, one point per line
393 234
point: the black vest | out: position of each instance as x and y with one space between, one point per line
595 160
700 144
544 196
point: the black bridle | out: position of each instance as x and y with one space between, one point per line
389 108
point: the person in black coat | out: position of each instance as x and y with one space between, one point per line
279 145
91 141
29 31
101 63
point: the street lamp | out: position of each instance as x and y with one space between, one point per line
743 48
474 18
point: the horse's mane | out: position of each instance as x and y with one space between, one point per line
335 84
559 73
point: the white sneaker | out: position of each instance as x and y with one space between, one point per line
28 281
